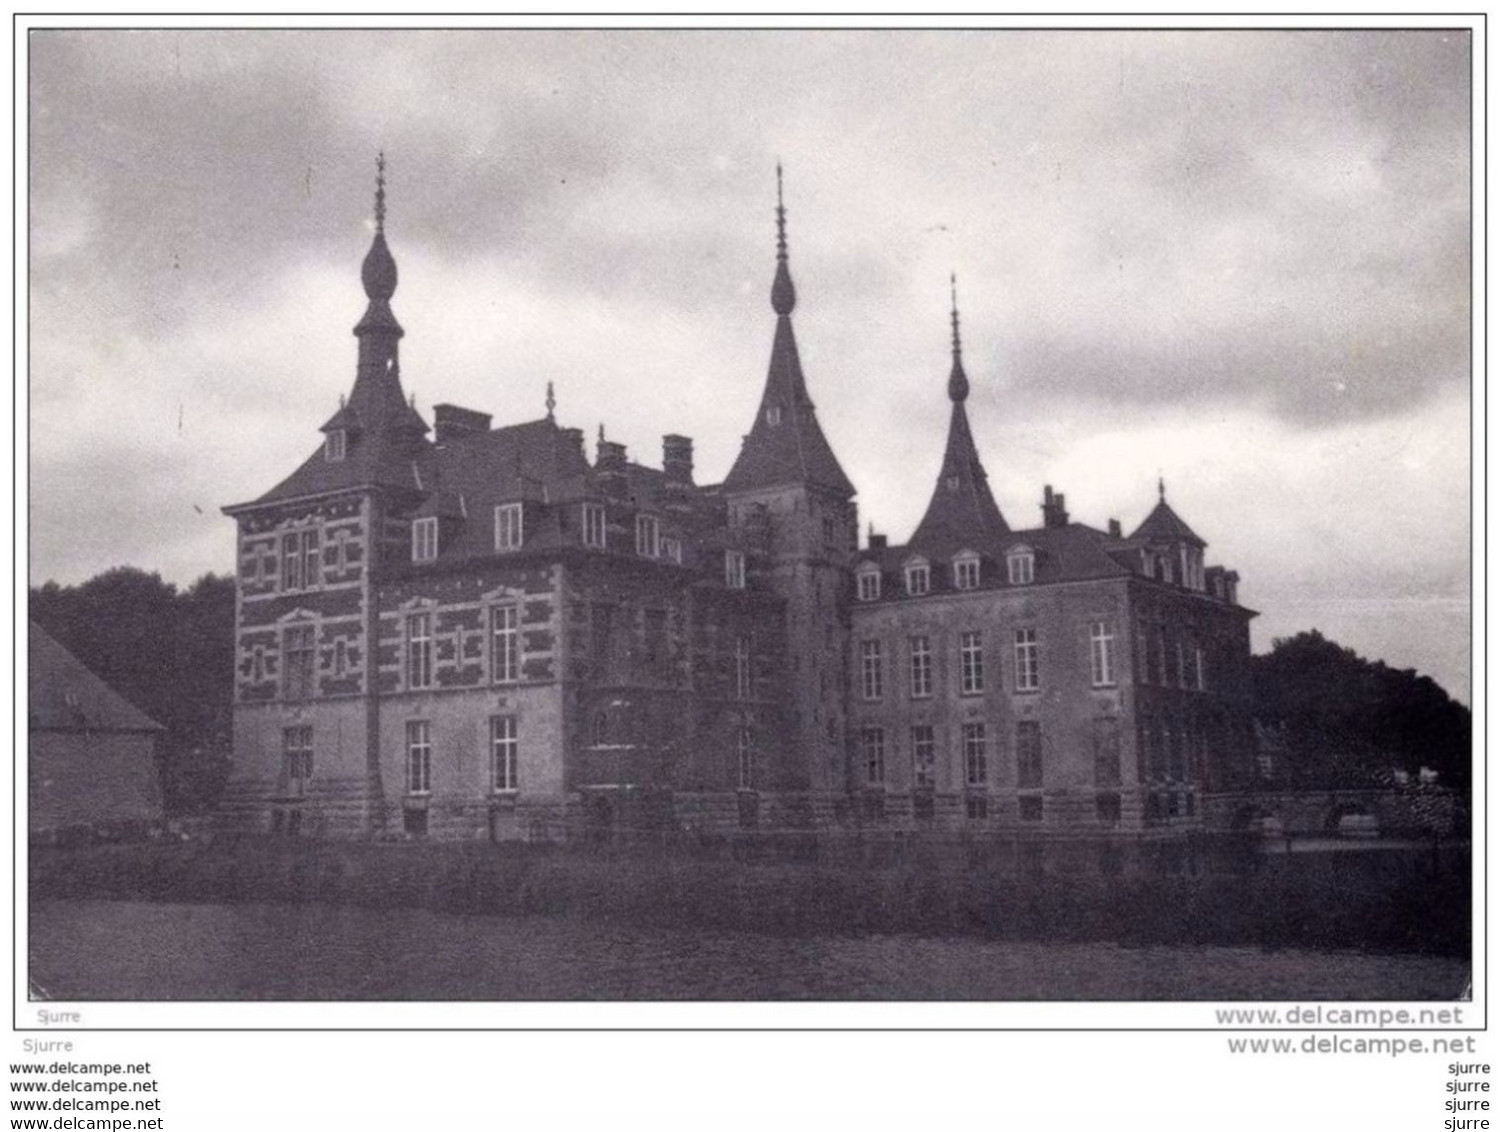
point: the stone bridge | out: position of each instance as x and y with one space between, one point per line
1378 812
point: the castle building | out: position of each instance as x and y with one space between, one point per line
466 631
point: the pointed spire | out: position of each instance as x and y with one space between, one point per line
378 273
551 401
958 381
783 294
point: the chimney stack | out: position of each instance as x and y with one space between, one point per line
677 458
1054 509
1114 529
877 542
609 462
452 423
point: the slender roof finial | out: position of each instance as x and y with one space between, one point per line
958 380
601 432
380 191
783 294
551 400
1161 487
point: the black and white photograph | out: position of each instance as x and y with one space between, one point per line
748 515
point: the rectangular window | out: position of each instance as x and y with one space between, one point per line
976 807
742 668
873 742
1028 677
869 586
976 755
966 573
593 525
671 549
970 663
509 532
333 447
647 536
1028 754
297 758
298 661
1200 680
1031 807
418 757
424 539
745 749
918 580
923 757
1101 654
312 557
1020 569
734 569
1106 752
291 545
870 675
1182 672
505 644
419 650
921 667
504 752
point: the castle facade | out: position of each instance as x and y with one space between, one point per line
460 630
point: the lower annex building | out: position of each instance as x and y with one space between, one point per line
466 631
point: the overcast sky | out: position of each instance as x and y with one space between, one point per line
1237 258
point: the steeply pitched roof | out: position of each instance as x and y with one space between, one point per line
63 695
1072 553
785 445
1164 525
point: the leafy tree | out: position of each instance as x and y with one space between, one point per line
169 653
1350 721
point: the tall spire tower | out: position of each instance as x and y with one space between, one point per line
962 513
787 474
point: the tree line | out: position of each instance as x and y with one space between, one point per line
1331 717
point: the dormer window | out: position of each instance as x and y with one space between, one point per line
918 578
424 539
953 482
1020 567
509 532
734 569
966 571
671 549
647 536
335 447
868 581
773 414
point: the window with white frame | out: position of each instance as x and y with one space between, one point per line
424 539
734 569
334 448
921 667
505 644
1182 672
504 753
970 663
872 741
1020 567
923 756
742 668
976 755
1029 754
966 572
418 756
298 661
773 414
297 758
671 549
647 536
871 677
419 650
312 557
593 525
745 754
918 578
869 584
1101 654
291 545
1200 677
1028 675
509 531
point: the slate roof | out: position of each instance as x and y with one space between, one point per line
1072 553
1164 525
962 511
63 695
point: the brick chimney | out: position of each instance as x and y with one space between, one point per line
677 458
609 462
877 542
1114 529
1054 511
452 423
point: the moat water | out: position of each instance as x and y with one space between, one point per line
83 950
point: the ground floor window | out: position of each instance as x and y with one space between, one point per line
297 758
504 753
418 757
